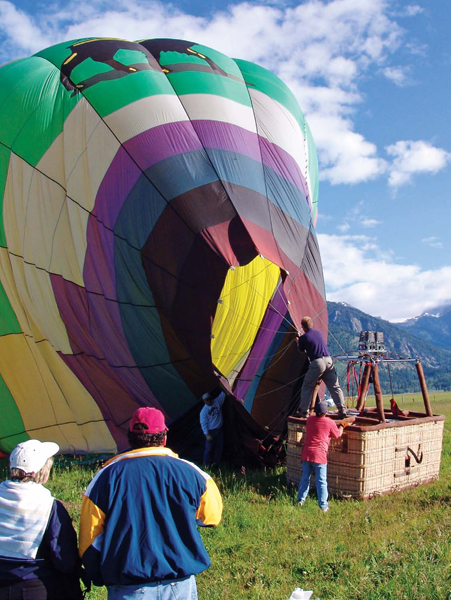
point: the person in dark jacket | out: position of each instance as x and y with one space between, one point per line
139 519
38 544
321 365
211 422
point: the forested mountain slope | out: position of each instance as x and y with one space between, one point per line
345 325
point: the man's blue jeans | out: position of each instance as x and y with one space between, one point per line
320 479
214 447
178 589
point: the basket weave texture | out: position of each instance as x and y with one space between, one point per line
363 464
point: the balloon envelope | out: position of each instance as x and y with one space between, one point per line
157 229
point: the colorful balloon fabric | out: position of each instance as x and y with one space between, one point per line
158 202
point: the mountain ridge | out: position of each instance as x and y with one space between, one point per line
345 325
433 325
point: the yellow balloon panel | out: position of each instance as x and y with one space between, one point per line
244 299
53 404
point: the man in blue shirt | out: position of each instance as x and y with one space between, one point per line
140 516
211 423
321 366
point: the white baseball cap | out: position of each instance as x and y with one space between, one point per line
31 456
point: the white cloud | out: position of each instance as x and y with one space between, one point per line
433 242
355 219
319 48
344 227
411 157
358 272
23 34
368 222
411 10
345 156
398 75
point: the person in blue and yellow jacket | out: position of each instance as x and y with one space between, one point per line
139 518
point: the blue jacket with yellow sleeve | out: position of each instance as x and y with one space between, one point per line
140 515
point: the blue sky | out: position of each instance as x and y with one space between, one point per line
373 79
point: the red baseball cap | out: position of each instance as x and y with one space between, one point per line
152 418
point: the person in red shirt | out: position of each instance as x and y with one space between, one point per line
319 431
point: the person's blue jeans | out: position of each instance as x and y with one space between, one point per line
320 479
177 589
214 447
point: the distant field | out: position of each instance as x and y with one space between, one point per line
411 401
391 547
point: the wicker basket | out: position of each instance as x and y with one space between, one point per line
375 460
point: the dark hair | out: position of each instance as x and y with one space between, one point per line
215 392
321 408
141 439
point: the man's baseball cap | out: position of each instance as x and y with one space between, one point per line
206 396
152 418
321 408
31 456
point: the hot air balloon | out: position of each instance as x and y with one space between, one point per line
158 203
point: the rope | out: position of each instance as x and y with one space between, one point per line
271 356
389 377
351 377
282 416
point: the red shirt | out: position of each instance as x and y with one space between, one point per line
319 431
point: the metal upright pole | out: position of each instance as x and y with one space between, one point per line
363 387
424 390
378 393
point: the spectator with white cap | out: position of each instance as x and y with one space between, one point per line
38 544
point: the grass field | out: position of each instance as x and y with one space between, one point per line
391 547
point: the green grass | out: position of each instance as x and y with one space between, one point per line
390 547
